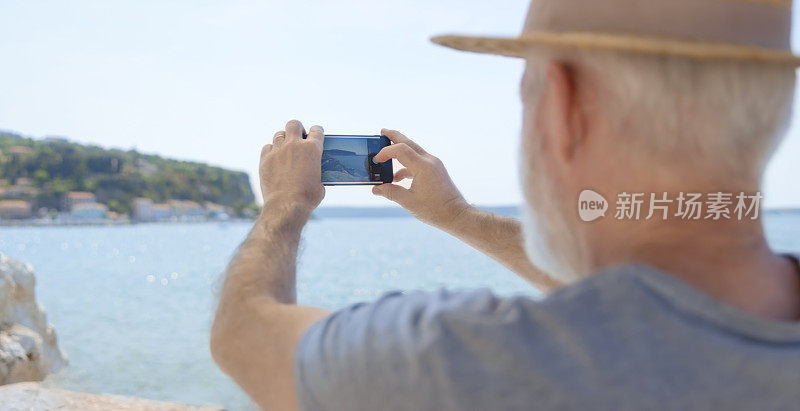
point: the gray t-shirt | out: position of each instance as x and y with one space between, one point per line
630 338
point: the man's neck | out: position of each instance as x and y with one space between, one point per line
728 260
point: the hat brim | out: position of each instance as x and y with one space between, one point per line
696 49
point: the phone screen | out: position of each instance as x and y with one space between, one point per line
348 160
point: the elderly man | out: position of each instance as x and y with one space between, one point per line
681 307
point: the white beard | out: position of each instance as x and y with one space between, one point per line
550 243
552 246
536 245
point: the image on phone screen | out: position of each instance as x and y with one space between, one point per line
348 160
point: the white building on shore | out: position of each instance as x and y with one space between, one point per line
88 211
144 210
14 209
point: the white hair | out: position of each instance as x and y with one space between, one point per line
727 116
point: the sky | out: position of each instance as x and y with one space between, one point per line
212 81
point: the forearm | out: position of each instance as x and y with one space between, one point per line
257 324
265 263
500 238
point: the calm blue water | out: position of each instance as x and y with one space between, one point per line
132 305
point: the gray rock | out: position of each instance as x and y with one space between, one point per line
20 355
29 348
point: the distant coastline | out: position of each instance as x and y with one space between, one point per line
109 222
397 212
322 213
394 212
782 210
55 181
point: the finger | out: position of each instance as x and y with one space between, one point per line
317 134
266 149
403 153
402 174
398 137
279 138
294 130
392 192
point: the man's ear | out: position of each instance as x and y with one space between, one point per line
561 116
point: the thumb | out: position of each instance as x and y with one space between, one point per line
392 192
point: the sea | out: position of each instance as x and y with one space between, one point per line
132 305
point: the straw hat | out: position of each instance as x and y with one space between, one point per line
748 30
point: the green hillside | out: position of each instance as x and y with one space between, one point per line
53 167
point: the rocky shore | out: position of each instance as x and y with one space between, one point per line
28 346
29 352
32 396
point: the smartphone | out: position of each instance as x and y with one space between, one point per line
348 160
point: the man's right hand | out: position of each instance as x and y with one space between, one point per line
432 197
435 200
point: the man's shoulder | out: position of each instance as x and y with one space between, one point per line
618 288
607 298
608 307
443 346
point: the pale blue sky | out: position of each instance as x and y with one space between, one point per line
212 80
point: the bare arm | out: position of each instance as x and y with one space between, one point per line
434 199
258 324
499 237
